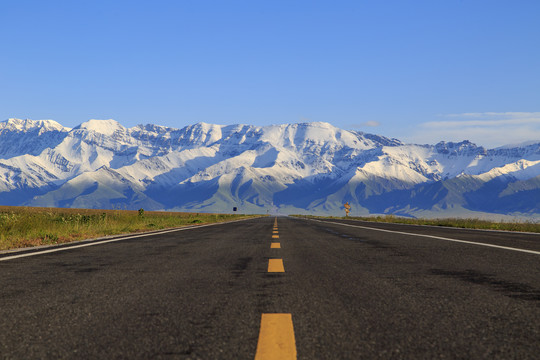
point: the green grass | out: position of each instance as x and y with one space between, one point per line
25 227
449 222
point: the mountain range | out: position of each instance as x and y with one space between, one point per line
307 168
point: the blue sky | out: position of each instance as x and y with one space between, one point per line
419 71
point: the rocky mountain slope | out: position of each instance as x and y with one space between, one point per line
292 168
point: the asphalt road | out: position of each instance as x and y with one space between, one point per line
353 293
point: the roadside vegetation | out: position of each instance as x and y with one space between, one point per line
450 222
25 226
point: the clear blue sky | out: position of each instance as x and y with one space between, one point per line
416 70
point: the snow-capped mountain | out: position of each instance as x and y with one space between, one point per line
292 168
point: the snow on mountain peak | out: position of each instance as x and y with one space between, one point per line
519 145
29 137
20 125
105 127
303 167
462 148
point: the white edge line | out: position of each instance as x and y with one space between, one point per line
433 237
453 227
100 242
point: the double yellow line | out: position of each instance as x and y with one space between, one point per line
276 337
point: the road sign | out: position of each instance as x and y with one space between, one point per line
347 208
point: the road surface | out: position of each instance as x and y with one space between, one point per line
348 290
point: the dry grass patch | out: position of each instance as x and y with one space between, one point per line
28 226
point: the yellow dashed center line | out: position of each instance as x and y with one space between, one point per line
276 338
275 265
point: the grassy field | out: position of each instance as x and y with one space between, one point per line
25 226
451 222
